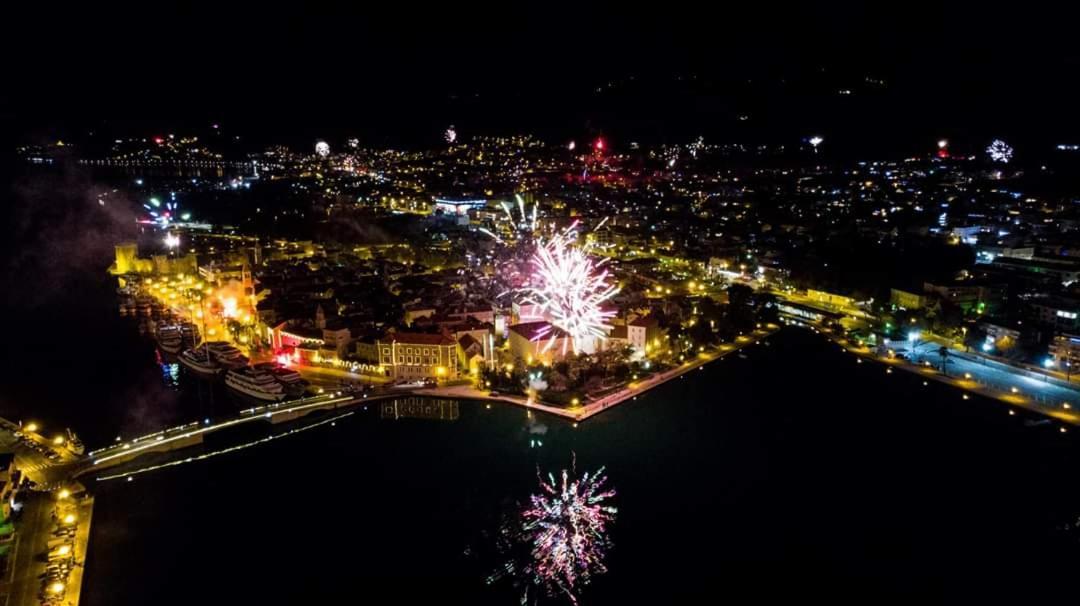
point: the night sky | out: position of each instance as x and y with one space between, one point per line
647 72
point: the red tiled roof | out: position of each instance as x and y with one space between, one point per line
536 330
467 341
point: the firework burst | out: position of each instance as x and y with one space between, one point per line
566 527
163 214
521 225
999 151
569 290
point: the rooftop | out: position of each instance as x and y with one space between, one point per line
417 338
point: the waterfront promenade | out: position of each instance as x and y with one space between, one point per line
1013 386
595 406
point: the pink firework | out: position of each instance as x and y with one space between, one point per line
569 290
566 526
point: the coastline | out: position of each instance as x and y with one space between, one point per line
966 385
628 392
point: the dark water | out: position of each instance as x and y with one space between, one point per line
74 361
792 474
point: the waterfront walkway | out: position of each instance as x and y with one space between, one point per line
1014 386
593 407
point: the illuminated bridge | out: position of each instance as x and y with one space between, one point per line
183 436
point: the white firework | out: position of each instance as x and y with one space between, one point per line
450 135
322 149
569 289
999 151
697 146
520 224
526 222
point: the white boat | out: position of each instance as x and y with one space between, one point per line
169 337
226 355
198 361
291 380
189 332
170 345
255 383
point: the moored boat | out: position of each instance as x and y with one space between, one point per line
255 383
197 360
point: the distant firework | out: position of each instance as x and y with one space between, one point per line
162 214
450 135
322 149
815 141
697 146
943 148
999 151
526 221
520 222
566 526
569 289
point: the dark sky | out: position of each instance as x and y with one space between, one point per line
402 71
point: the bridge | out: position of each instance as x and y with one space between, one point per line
190 434
48 474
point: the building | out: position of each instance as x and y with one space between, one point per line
459 206
980 298
1061 313
999 336
287 336
415 356
414 313
336 338
530 341
644 336
471 354
525 312
617 337
797 312
1065 271
985 253
829 300
906 300
1065 349
128 261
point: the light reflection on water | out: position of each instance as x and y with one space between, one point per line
556 543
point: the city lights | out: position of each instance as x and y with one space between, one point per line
637 248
